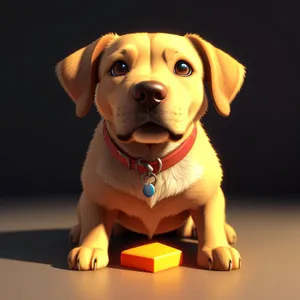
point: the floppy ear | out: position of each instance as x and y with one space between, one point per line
224 74
77 73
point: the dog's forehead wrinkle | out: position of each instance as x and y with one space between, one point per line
119 49
171 50
166 52
123 51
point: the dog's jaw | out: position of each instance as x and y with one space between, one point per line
150 133
151 145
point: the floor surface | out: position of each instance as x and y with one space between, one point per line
34 248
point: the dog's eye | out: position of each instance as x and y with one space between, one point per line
119 68
183 68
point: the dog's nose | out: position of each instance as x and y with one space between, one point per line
150 93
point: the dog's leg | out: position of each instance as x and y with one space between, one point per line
188 230
75 234
214 251
96 226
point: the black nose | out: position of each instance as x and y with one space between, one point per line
149 93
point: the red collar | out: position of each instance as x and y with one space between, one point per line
167 161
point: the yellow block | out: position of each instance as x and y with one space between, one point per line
153 257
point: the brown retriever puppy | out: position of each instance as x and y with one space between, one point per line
150 167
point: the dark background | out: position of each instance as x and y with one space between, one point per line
43 143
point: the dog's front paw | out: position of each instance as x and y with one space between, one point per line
86 258
220 259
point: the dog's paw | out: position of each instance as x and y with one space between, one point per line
86 258
220 259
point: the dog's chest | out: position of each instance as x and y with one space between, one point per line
170 182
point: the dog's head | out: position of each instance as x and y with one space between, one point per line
150 87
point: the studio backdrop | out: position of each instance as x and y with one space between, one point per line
43 143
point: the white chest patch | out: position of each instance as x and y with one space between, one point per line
169 183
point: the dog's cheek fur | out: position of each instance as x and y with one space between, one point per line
189 91
197 106
184 100
202 109
104 95
102 105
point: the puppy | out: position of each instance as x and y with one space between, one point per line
150 167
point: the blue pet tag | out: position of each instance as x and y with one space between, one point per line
149 190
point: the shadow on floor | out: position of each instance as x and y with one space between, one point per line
52 246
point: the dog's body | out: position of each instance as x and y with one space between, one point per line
188 193
121 189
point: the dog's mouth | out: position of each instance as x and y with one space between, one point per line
150 133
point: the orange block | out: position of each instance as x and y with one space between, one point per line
153 257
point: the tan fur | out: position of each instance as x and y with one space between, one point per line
189 193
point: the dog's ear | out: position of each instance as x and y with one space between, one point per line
77 73
223 73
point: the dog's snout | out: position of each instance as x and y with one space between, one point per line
150 93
